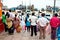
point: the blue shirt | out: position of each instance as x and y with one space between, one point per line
58 32
28 23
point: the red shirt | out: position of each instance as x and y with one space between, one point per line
54 22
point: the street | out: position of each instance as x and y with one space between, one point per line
21 36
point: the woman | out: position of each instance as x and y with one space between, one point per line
4 21
10 25
16 23
28 23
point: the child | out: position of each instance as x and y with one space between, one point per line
22 23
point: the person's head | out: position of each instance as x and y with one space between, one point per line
22 13
33 14
43 14
10 10
3 13
55 14
15 15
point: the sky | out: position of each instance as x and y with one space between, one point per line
37 3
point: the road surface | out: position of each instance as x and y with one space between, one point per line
21 36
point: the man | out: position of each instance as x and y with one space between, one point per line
54 22
33 20
12 15
43 23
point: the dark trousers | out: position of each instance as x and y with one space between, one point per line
5 26
53 33
11 30
28 28
33 29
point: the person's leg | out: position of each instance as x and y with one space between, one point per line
5 27
35 30
12 30
31 30
9 31
43 33
40 33
27 28
52 34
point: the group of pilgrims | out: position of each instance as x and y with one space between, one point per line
32 23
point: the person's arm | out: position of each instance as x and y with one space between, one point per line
19 20
29 19
38 22
57 23
47 23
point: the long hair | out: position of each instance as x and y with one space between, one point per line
27 15
7 13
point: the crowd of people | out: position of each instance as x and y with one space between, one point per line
32 24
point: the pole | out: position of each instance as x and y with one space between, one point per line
22 5
54 5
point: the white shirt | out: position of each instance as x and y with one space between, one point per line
43 21
33 20
22 23
19 16
12 15
23 17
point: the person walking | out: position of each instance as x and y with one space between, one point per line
58 29
43 23
9 25
33 20
54 23
28 23
23 22
4 21
16 23
12 15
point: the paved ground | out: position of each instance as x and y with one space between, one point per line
21 36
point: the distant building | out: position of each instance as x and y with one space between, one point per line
20 7
50 9
4 8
